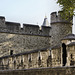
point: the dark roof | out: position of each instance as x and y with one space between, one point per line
69 37
71 44
56 47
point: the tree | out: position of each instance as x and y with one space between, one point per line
68 8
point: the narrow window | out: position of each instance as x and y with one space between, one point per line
64 56
11 52
29 58
39 59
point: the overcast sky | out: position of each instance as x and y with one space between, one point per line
28 11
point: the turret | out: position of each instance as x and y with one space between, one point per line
59 28
45 22
56 17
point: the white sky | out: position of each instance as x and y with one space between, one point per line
28 11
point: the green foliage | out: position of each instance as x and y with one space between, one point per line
68 8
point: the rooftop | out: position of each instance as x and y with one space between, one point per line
69 37
71 44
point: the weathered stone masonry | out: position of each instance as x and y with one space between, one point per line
33 50
39 58
41 71
59 28
20 43
30 37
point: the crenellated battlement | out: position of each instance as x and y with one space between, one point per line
12 27
56 18
60 27
2 21
32 46
29 37
2 18
28 29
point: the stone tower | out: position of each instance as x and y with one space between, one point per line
59 28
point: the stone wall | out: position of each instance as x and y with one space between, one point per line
31 59
59 28
30 37
39 58
58 31
20 43
26 60
41 71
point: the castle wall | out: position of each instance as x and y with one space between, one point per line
20 43
12 27
30 37
41 71
38 59
32 59
26 42
28 29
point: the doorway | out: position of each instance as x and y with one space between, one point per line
64 55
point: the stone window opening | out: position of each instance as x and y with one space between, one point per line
11 52
14 64
50 52
8 62
14 60
30 58
49 61
39 58
22 60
